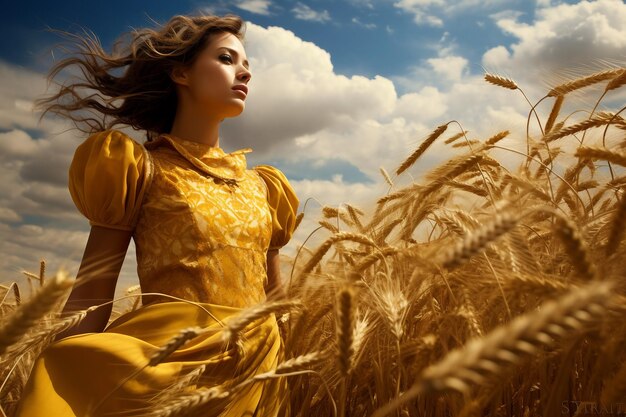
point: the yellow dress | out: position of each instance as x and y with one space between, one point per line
202 224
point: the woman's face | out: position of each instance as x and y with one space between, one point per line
208 83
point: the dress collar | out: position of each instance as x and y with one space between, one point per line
211 160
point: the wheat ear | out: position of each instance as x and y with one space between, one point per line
328 225
455 137
617 82
421 149
330 212
484 359
186 405
345 337
48 333
617 227
299 218
600 120
554 113
30 312
601 153
501 81
575 247
236 324
386 176
570 86
345 321
476 241
173 344
325 247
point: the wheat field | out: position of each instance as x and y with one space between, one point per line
473 290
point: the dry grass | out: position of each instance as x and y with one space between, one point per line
476 290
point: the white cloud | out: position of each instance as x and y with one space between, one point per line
358 22
362 3
433 12
303 12
449 67
255 6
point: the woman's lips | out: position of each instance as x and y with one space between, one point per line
241 93
242 89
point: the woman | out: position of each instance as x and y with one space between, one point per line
207 232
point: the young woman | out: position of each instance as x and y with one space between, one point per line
207 230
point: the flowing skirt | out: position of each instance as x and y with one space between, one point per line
107 374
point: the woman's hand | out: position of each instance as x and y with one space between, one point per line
97 276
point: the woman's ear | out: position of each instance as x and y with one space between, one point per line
179 75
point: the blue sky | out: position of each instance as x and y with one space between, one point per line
339 89
365 38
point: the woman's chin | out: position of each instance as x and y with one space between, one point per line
235 110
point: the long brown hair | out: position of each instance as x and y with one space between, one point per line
144 95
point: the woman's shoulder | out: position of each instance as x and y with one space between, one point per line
283 204
108 176
110 139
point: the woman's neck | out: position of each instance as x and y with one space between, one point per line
189 125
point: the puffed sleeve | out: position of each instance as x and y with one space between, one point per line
283 204
108 176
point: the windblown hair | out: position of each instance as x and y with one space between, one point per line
143 96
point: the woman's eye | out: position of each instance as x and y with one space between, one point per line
226 58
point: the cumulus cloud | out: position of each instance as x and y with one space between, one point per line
449 67
563 36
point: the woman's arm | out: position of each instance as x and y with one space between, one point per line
274 289
97 276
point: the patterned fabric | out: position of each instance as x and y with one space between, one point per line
202 224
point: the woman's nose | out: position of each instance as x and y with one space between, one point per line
245 75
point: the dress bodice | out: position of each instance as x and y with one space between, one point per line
201 220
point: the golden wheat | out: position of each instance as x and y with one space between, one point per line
501 81
28 313
577 84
